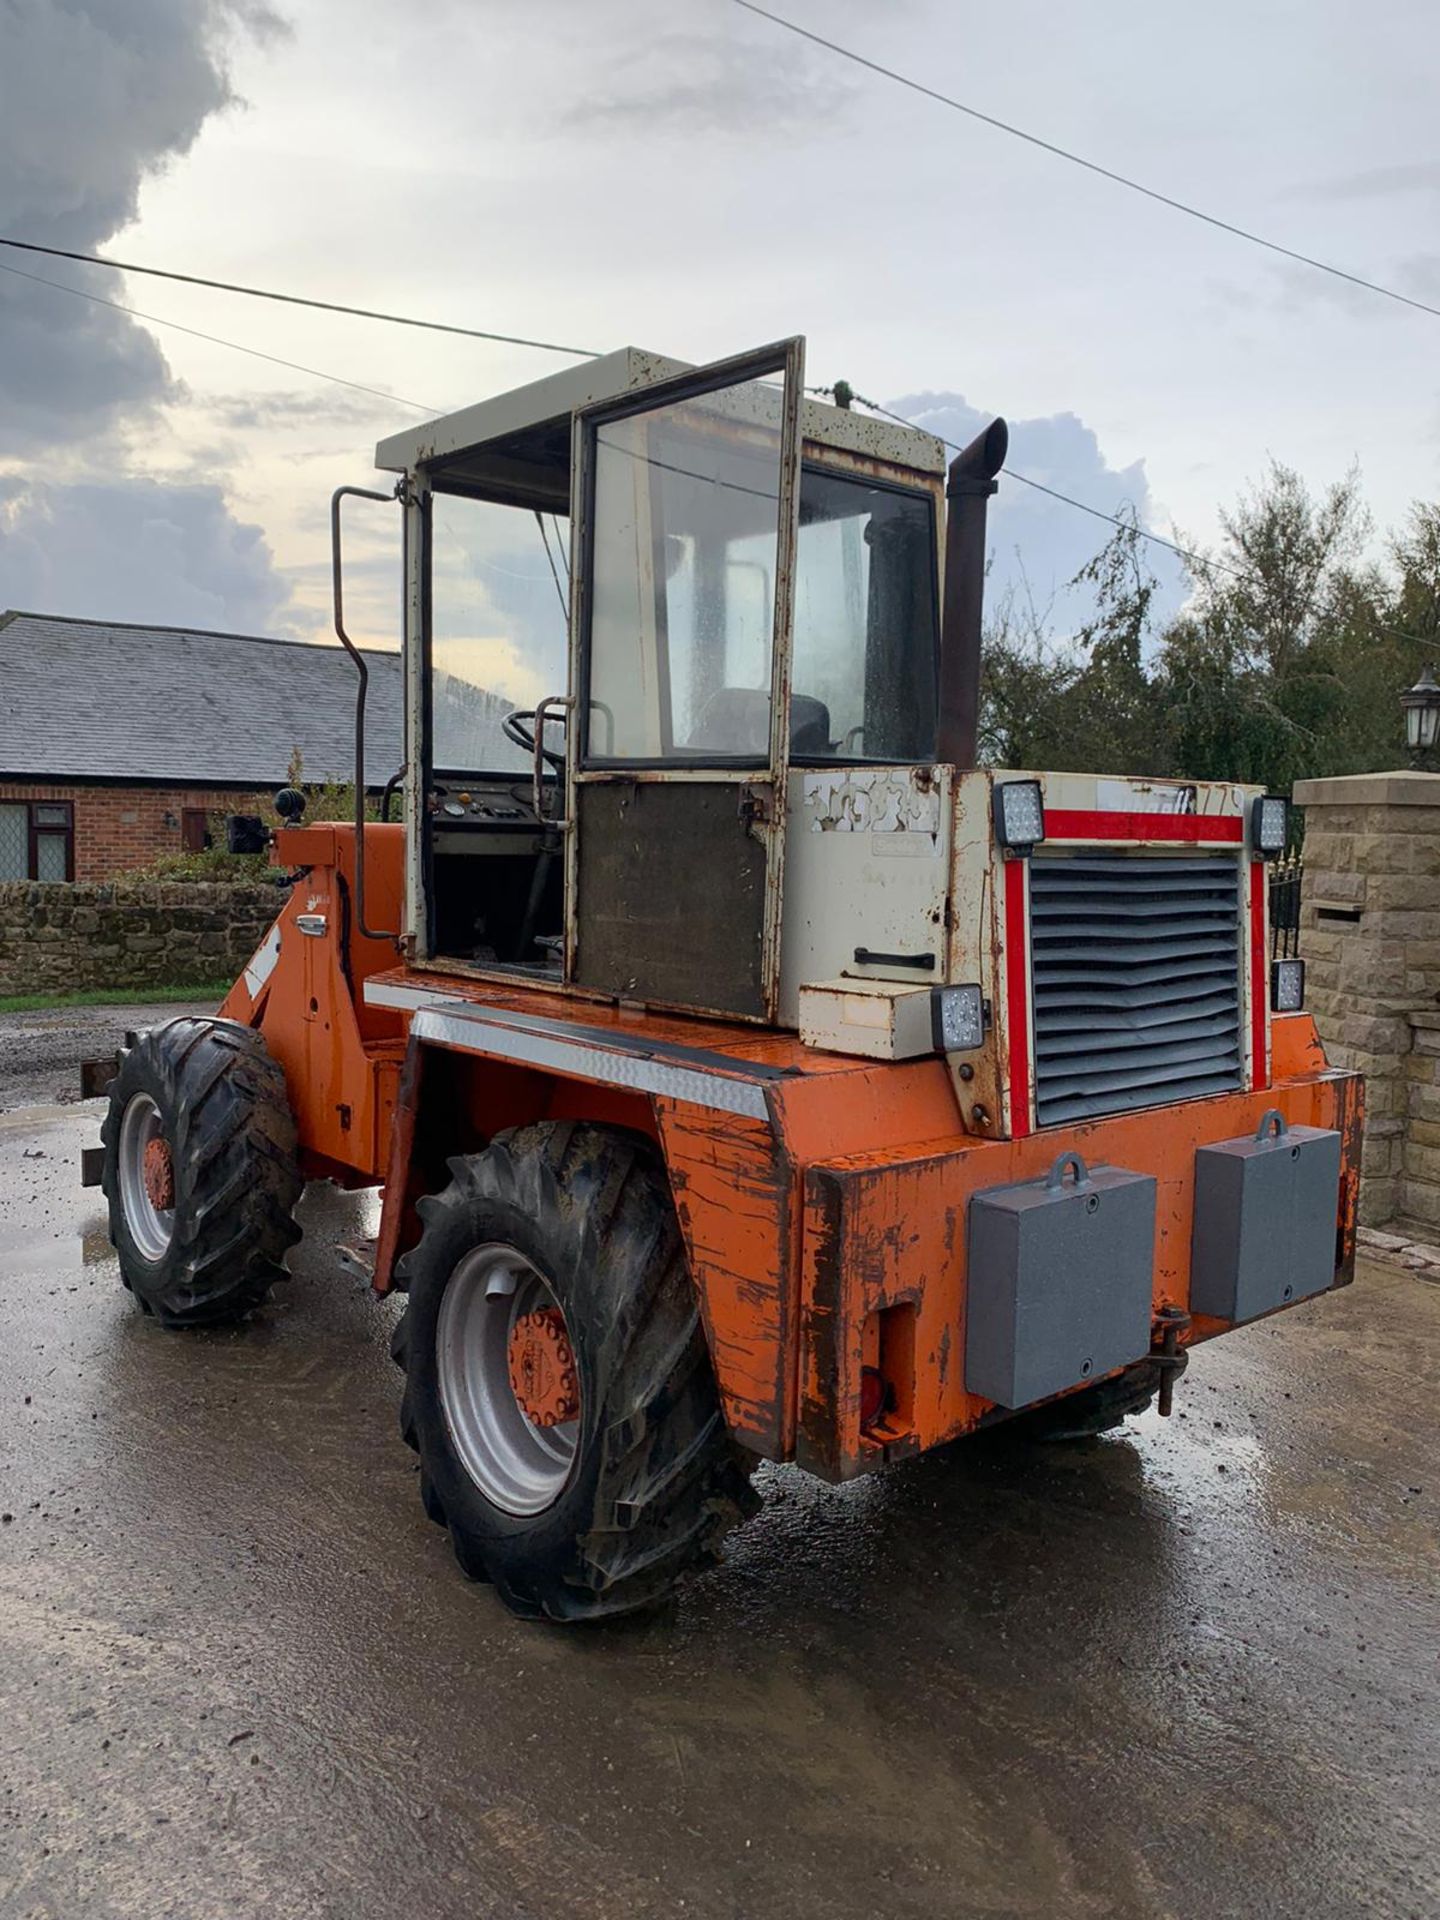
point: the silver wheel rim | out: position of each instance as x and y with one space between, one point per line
518 1466
151 1228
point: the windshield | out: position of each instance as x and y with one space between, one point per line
866 651
685 523
498 580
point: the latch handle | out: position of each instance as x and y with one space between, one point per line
1055 1179
1279 1129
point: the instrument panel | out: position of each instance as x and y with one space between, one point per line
483 815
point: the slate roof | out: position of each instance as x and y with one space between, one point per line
91 698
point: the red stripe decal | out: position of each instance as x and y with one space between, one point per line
1017 997
1259 980
1063 823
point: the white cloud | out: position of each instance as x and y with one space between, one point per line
137 550
96 96
1038 543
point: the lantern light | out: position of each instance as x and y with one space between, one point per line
1422 713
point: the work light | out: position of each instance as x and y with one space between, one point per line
1270 824
1287 986
1019 815
957 1016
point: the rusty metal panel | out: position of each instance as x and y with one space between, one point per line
887 1228
96 1075
671 897
866 872
734 1195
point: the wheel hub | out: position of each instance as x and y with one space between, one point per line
508 1381
542 1368
158 1173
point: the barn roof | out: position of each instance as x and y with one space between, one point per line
100 700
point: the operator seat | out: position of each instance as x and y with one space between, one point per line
737 720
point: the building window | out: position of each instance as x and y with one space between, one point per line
37 840
195 829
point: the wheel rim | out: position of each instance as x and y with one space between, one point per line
520 1466
143 1148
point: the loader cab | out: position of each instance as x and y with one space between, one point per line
644 602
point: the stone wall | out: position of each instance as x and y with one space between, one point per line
1370 938
72 938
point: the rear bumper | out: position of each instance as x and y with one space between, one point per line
884 1258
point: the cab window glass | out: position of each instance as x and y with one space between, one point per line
685 526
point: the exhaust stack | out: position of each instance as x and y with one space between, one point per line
968 489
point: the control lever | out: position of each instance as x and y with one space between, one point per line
562 703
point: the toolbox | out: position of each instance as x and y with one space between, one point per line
1060 1275
1266 1209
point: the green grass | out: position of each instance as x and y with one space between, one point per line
112 997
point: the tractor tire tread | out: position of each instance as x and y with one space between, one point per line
670 1482
233 1142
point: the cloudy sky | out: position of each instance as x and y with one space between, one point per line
684 176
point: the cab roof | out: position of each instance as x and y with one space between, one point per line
532 425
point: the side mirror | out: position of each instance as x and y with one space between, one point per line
290 804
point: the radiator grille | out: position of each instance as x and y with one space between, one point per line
1136 969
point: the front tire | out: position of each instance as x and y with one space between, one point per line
200 1171
586 1470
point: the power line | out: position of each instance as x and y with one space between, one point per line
298 299
1090 166
1204 562
215 340
1201 561
1081 506
319 373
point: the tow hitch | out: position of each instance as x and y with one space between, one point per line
1171 1359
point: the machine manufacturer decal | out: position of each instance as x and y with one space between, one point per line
262 962
1133 796
885 801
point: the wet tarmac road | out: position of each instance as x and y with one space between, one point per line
1191 1671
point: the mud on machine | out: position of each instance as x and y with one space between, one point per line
748 1074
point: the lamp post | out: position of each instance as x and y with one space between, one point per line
1422 718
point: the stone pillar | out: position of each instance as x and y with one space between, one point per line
1420 1166
1370 937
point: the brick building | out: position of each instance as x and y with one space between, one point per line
119 743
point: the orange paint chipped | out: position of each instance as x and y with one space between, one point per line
158 1173
824 1238
542 1368
888 1227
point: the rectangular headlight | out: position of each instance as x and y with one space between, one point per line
1270 824
1287 986
957 1017
1019 814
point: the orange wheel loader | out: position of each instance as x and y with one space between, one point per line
748 1074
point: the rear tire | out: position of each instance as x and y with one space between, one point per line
645 1479
199 1117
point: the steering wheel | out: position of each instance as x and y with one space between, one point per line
514 728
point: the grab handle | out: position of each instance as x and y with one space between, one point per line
1055 1179
1277 1131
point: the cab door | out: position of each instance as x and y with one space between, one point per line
685 505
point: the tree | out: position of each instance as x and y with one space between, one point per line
1277 668
1085 705
1287 660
